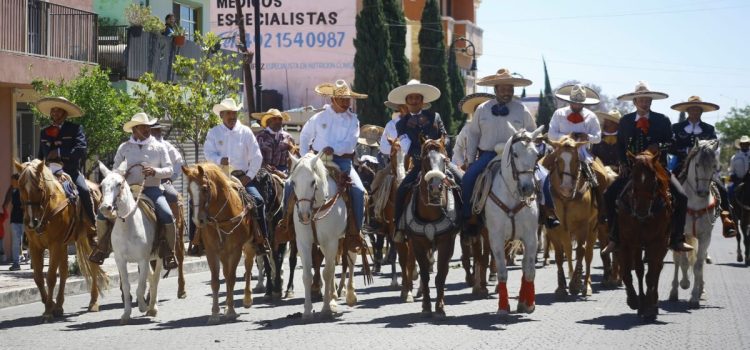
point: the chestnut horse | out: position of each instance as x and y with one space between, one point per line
227 230
430 218
644 210
51 223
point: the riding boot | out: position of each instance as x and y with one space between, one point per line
102 249
550 218
261 235
169 261
729 227
677 242
614 236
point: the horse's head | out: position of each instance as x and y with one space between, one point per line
201 191
309 178
520 155
649 181
701 165
395 146
432 145
37 188
117 200
567 165
435 178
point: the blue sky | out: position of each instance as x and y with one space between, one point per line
683 48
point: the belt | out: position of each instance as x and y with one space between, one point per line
346 155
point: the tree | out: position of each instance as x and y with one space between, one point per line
394 18
105 109
546 102
432 60
735 124
682 117
458 91
201 83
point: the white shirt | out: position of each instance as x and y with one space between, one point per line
175 157
148 152
389 132
330 129
739 165
487 130
238 144
560 126
459 148
693 128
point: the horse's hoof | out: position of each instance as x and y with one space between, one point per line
492 278
439 314
181 294
394 285
673 296
480 292
247 302
408 297
561 293
351 299
124 320
685 283
214 320
230 317
151 313
525 309
589 291
633 303
94 307
47 318
694 304
57 312
259 289
739 258
469 280
503 312
142 306
276 296
289 294
426 313
709 260
307 316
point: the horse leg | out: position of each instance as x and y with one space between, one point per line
406 261
36 253
545 260
268 274
278 277
63 270
527 294
292 266
589 258
575 278
249 251
747 245
421 252
655 255
698 270
639 273
467 250
230 277
122 269
306 257
498 249
153 285
626 258
179 251
213 265
260 286
144 274
330 249
739 242
351 295
344 269
673 292
561 291
446 245
317 282
54 264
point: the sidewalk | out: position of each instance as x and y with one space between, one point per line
18 287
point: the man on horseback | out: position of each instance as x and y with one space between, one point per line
334 131
175 157
489 128
687 134
739 165
607 151
582 125
143 151
274 142
415 127
468 105
233 147
641 130
63 147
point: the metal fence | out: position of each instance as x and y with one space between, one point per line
47 29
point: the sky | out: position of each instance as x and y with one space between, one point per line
682 48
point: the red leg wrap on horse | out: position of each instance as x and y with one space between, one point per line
502 290
528 295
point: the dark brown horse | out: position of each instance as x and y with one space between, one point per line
644 215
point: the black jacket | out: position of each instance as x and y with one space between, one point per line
432 128
70 140
630 138
684 141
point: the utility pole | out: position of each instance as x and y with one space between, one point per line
247 57
258 82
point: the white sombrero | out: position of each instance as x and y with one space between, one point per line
429 93
642 90
228 104
695 101
503 76
743 139
577 93
613 116
138 119
339 89
370 134
46 104
469 103
271 113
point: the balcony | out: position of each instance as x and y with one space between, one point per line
45 29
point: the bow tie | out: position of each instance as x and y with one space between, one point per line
643 125
575 118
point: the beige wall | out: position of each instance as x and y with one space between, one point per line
85 5
19 69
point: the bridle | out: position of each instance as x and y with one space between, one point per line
42 202
650 194
516 173
576 179
123 184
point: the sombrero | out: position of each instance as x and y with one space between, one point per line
469 103
369 135
46 104
271 113
228 104
503 76
613 116
138 119
429 93
394 106
339 89
695 101
577 93
743 139
642 90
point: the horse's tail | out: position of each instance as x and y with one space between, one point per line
514 246
89 270
692 256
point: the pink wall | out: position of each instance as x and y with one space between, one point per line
7 113
86 5
19 69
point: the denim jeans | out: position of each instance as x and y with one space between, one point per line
16 240
163 212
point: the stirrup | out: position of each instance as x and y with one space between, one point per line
97 257
169 262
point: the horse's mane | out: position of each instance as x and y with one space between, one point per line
214 174
432 145
702 154
320 173
30 170
662 176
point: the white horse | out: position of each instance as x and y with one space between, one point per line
701 165
320 218
511 214
133 238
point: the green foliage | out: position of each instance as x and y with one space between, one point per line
458 90
546 102
201 84
373 66
178 31
396 22
432 60
735 124
105 108
137 14
153 24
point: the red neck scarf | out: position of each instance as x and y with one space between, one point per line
642 124
575 118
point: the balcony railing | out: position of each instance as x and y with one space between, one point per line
46 29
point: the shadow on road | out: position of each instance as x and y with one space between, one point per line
32 321
198 321
108 323
734 264
622 322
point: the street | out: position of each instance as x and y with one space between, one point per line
379 321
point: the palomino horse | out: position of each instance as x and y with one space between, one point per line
577 211
741 203
133 237
227 226
431 220
53 223
700 166
321 217
511 214
644 211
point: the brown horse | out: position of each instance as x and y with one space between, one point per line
51 223
430 218
644 216
228 229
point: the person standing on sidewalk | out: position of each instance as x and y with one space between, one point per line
13 199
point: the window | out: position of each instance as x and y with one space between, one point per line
187 17
27 133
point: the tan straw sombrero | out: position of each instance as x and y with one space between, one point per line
695 101
46 104
370 134
227 104
743 139
613 116
138 119
429 93
503 76
339 89
470 102
642 90
577 93
271 113
395 106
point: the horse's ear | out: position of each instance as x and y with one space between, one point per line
294 159
187 170
18 165
103 169
537 132
512 129
631 156
40 167
201 172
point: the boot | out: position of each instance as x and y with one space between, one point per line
399 237
101 249
677 242
614 236
169 260
729 228
550 218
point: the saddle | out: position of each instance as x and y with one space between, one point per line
410 222
70 188
484 186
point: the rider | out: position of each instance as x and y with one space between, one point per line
607 151
334 131
148 163
274 142
490 127
687 134
468 105
582 125
641 130
63 144
412 128
739 165
233 147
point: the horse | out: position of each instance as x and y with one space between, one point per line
431 219
741 203
577 211
511 214
225 218
271 188
53 221
700 166
644 210
320 216
133 237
